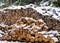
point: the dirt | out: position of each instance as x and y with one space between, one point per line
11 16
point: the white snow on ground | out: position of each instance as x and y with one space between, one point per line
50 33
11 42
44 10
50 11
55 12
55 39
43 32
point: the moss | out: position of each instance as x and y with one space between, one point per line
57 3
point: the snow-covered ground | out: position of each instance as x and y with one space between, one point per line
10 42
50 33
44 10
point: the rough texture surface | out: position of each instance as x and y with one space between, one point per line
11 16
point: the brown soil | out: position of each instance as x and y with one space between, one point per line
11 16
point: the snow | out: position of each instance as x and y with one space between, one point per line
50 32
0 35
29 18
15 7
44 10
36 27
9 42
3 41
49 11
55 39
43 32
51 35
58 34
55 12
32 19
19 26
28 27
53 32
40 20
26 18
3 25
14 42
